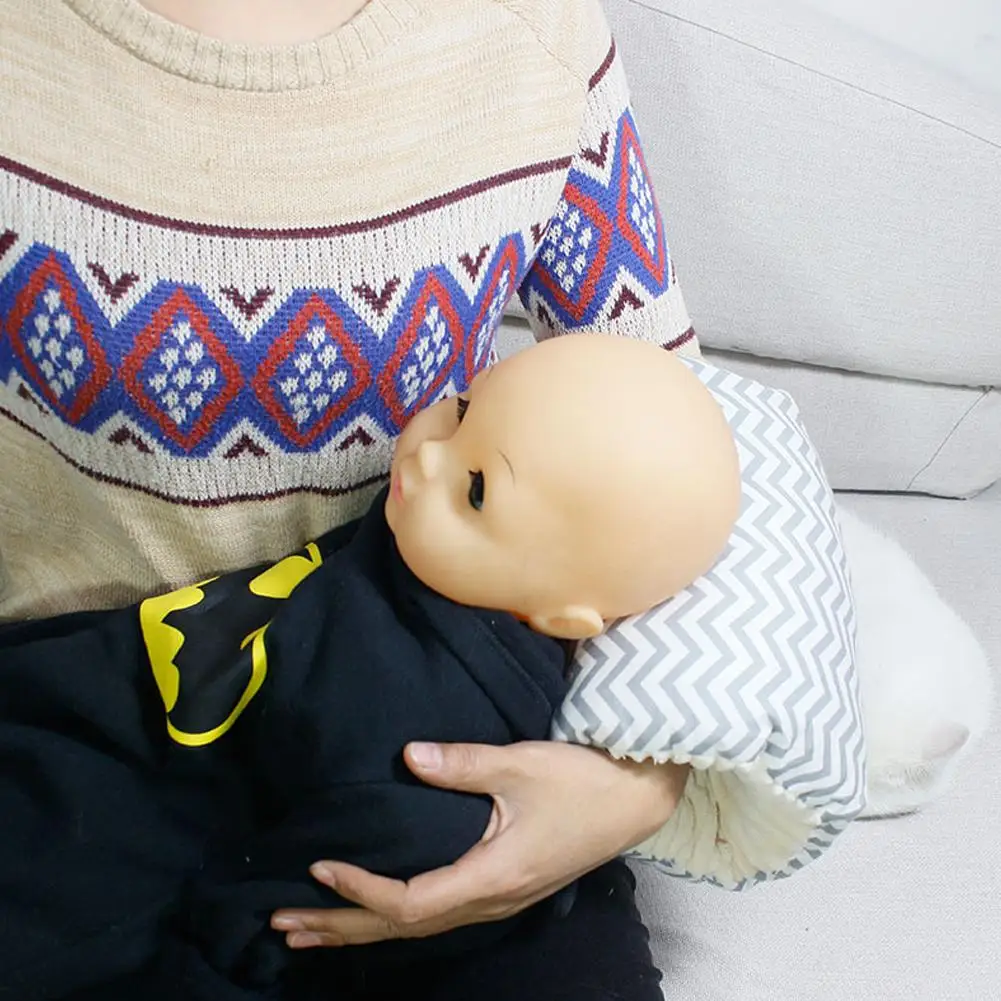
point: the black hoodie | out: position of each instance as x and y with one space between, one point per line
148 856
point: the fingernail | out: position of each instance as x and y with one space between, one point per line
426 755
284 923
303 940
322 872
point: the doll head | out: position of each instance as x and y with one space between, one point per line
584 479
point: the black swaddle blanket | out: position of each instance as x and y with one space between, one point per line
168 772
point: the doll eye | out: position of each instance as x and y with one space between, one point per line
462 405
476 489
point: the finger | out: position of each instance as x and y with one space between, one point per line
478 768
337 928
356 926
375 893
467 891
480 885
300 919
334 926
406 906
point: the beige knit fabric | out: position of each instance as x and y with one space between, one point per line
141 154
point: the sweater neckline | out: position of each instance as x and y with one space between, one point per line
182 52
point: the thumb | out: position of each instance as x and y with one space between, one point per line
463 767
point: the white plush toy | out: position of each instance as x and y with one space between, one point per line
926 686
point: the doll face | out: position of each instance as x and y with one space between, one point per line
580 480
466 501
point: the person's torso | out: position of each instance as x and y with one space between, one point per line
227 280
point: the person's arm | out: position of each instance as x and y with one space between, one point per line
603 263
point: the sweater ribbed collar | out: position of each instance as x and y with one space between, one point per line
202 59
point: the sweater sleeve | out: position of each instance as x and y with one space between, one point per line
603 264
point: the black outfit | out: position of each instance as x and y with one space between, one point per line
142 859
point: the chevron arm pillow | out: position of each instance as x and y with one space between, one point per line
748 675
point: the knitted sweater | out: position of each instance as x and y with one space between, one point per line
229 276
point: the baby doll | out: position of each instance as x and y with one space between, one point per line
168 772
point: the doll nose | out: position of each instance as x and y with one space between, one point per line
429 458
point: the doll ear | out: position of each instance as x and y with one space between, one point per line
575 622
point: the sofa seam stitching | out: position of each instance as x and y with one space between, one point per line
945 441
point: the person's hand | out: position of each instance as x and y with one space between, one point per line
560 810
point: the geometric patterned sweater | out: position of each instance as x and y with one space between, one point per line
230 275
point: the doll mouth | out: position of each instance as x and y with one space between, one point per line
396 488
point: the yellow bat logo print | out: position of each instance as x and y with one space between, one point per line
206 644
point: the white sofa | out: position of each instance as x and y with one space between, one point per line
830 172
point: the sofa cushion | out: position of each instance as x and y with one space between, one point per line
880 434
830 199
874 433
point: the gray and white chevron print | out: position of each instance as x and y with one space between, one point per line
755 662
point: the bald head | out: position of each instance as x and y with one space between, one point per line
631 459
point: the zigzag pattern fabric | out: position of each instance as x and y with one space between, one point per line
749 674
